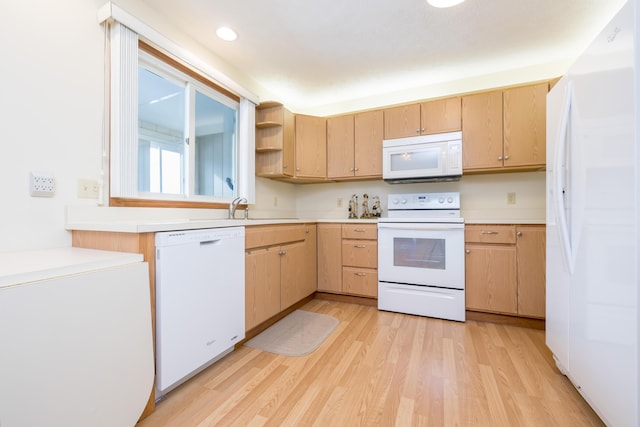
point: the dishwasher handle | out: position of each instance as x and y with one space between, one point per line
210 242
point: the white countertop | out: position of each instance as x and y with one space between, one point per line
142 226
29 266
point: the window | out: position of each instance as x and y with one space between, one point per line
187 134
175 135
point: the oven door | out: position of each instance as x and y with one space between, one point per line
429 254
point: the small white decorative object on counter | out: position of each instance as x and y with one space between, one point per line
376 210
365 206
353 207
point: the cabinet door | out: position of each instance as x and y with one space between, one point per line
482 131
330 257
531 270
292 274
441 115
369 130
262 285
340 147
311 147
402 121
490 275
525 124
360 281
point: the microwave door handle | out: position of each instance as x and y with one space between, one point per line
421 227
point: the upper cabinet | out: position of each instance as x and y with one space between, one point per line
289 146
504 130
274 141
354 145
310 147
441 115
525 125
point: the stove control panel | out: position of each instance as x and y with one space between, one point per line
424 201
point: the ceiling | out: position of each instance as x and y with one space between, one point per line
311 54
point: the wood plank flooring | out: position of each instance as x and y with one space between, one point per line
385 369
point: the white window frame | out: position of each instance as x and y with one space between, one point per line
123 33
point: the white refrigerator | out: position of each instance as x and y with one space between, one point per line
592 220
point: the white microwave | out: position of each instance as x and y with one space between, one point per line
422 158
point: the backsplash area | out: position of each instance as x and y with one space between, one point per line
483 197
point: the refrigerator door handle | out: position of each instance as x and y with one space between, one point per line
559 157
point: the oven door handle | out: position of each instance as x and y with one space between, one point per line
421 226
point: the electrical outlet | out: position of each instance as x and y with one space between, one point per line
87 189
41 184
339 202
511 198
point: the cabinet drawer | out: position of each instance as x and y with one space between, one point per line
360 281
360 253
478 233
360 231
258 236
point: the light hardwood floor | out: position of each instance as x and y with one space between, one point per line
385 369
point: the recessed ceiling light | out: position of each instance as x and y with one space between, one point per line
226 33
444 3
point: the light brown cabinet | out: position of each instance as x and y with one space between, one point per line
330 257
531 262
280 269
262 285
525 126
437 116
310 147
275 137
504 130
348 259
504 269
354 145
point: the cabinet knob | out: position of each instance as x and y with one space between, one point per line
351 169
506 157
359 246
355 169
418 130
488 232
467 251
282 252
358 230
284 166
298 169
500 158
519 234
359 274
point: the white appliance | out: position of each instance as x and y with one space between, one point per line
592 221
76 347
421 256
422 158
199 300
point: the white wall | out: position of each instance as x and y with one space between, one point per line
51 107
483 197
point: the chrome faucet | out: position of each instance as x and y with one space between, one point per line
234 205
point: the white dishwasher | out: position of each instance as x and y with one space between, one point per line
199 300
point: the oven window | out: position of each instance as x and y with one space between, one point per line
419 253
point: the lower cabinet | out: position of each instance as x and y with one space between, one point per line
348 259
280 269
505 269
